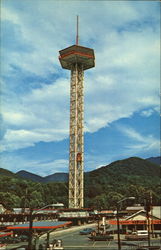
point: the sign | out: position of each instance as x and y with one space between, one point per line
133 222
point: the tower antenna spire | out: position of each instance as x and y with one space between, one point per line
77 36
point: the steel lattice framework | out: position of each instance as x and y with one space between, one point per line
77 59
76 162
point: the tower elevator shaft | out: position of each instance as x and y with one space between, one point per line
76 154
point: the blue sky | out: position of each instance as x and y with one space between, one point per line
121 92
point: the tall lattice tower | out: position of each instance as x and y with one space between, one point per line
76 59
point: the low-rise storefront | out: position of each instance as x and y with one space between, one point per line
139 221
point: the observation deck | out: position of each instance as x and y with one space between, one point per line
77 54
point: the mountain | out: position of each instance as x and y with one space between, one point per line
156 160
29 176
131 166
6 172
57 177
134 170
130 177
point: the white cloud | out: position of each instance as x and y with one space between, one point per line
42 115
147 113
8 15
126 77
15 139
140 143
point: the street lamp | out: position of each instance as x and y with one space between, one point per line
118 223
40 209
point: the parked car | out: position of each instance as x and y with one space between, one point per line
138 235
101 237
23 237
9 240
13 240
86 231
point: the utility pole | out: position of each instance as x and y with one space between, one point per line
118 221
147 209
30 229
118 228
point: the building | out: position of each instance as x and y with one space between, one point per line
139 221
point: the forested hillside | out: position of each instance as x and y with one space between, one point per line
129 177
103 186
16 192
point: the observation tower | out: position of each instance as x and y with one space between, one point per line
76 58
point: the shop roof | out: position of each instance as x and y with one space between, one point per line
143 213
40 225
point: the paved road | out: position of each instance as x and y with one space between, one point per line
72 240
